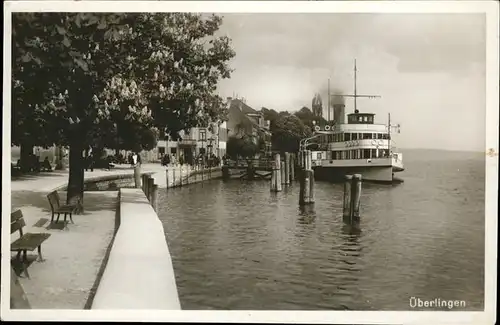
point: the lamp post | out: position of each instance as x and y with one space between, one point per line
210 147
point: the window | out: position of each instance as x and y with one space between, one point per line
366 153
318 156
173 151
374 153
365 118
161 150
354 136
347 137
367 135
203 135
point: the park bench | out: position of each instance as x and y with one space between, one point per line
59 209
25 242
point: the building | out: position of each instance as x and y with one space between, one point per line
244 120
199 140
241 120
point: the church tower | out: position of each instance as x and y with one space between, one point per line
317 106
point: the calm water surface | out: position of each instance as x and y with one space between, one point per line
236 245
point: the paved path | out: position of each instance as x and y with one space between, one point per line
47 181
73 256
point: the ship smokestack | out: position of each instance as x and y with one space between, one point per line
338 104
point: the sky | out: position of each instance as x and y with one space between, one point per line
429 69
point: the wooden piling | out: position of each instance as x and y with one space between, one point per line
173 176
154 197
143 183
273 180
151 183
311 185
292 167
356 195
283 172
137 176
346 209
147 187
276 175
306 190
287 168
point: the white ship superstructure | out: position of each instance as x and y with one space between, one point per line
359 146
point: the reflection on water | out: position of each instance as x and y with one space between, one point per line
236 245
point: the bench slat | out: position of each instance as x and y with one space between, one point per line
29 241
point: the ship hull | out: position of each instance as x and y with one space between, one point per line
376 174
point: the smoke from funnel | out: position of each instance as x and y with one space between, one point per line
337 100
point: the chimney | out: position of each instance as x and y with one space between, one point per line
339 113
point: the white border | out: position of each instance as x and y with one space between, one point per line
492 86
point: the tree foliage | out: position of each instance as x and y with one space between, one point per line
308 118
113 80
287 132
242 147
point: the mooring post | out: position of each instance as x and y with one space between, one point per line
283 172
151 185
346 209
154 197
137 176
166 176
356 196
287 168
273 180
311 185
143 181
146 186
225 172
276 174
277 161
308 159
173 176
292 167
306 190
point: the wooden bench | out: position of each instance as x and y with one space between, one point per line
58 209
25 242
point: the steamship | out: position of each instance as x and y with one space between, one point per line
359 146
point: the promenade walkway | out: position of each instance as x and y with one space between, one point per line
73 257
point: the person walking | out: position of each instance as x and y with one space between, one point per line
134 159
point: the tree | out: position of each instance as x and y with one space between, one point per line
244 147
308 118
113 80
287 132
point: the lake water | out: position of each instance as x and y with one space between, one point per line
235 245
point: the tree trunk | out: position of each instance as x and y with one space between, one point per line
76 175
59 158
25 156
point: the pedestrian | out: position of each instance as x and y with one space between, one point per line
135 159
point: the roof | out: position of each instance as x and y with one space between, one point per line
238 106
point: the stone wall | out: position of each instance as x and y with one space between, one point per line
139 272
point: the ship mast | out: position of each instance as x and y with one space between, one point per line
355 88
355 96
